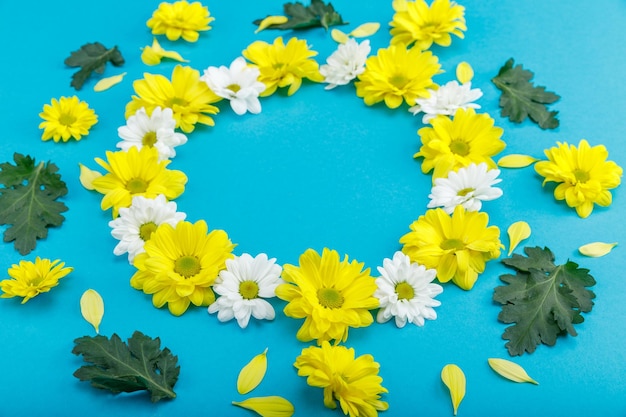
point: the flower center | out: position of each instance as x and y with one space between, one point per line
249 290
187 266
465 191
329 298
146 230
455 244
67 119
277 65
398 81
36 280
137 185
176 101
459 147
149 139
234 87
405 291
581 176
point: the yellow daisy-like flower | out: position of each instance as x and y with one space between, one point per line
181 264
136 173
583 173
30 279
415 22
66 118
331 295
395 74
180 19
354 382
455 143
283 65
189 98
457 245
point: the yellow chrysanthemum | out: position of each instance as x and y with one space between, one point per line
395 74
454 143
457 245
354 382
283 65
136 173
66 118
331 295
180 19
181 264
30 279
189 98
415 22
583 173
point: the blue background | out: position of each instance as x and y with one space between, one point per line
318 169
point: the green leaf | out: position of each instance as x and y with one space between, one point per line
521 99
544 300
120 367
92 57
28 201
317 14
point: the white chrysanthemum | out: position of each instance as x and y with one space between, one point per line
156 130
468 186
447 100
406 292
135 224
242 287
346 63
239 83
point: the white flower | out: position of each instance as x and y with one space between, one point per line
446 100
468 187
243 285
156 130
405 291
346 63
239 84
136 223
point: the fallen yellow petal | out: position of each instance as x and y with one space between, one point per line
92 308
87 176
106 83
596 249
152 55
271 20
366 29
272 406
454 378
517 232
516 161
252 374
464 72
338 36
510 370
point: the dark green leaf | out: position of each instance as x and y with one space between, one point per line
92 57
28 201
317 14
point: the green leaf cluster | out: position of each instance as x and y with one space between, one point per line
28 201
542 299
92 57
120 367
317 14
521 98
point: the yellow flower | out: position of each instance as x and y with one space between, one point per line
66 118
30 279
331 295
457 245
397 73
189 98
415 22
134 173
583 173
181 264
451 144
354 382
283 65
180 19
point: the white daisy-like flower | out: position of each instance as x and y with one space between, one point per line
406 292
156 130
469 187
447 100
346 63
242 287
135 224
238 83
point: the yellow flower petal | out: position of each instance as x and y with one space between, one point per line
596 249
366 29
518 231
152 55
272 406
510 370
271 20
464 72
516 161
92 308
338 36
454 378
252 374
87 176
106 83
